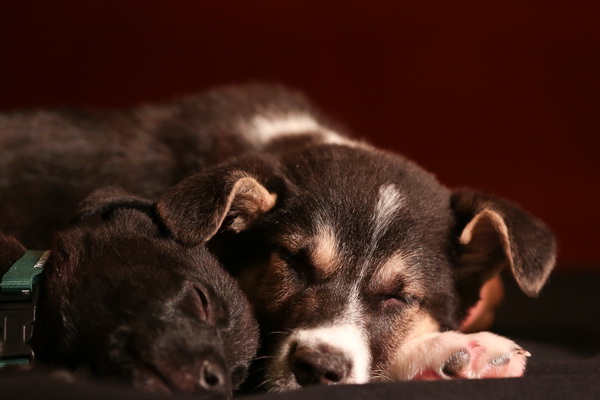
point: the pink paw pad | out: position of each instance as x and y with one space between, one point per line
454 355
479 361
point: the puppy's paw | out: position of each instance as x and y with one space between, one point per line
451 355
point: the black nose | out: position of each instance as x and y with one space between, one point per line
319 366
213 377
204 376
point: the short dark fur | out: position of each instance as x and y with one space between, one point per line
54 159
123 300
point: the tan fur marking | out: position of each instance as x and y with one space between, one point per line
423 324
267 289
396 267
279 285
410 325
324 251
249 200
390 269
293 242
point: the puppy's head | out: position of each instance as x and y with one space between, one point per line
122 299
347 252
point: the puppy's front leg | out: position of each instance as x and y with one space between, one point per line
450 355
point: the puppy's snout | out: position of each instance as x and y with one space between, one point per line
319 366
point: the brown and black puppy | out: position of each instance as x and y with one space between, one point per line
358 262
122 300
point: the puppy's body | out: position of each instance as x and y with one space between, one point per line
53 159
122 300
348 254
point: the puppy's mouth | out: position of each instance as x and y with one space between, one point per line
150 379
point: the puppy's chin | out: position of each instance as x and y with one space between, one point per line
148 380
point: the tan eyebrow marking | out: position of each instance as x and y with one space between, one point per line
396 267
324 251
390 269
293 242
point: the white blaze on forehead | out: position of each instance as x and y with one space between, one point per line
389 201
264 128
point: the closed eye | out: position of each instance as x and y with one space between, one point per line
401 299
201 303
297 261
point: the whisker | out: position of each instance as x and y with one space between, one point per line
264 358
383 375
287 332
265 382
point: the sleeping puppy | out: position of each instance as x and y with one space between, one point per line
53 159
358 263
122 300
355 259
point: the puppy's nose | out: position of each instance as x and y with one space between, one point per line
319 366
213 377
205 376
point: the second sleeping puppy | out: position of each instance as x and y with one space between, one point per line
120 299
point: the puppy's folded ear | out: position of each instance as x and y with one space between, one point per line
10 251
493 233
196 208
129 212
106 200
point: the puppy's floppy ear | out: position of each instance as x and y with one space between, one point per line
196 208
493 233
106 200
10 251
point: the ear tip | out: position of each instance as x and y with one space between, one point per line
532 291
532 283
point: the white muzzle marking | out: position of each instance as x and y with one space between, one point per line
348 339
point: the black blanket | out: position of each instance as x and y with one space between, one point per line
561 329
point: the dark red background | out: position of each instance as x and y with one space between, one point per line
499 95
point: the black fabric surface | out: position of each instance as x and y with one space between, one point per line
561 329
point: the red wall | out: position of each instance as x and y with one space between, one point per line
498 95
